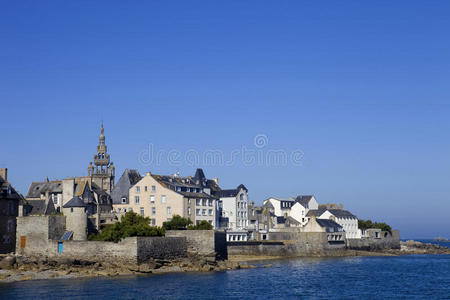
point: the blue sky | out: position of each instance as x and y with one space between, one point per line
361 88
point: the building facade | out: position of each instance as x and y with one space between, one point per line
9 210
234 207
160 197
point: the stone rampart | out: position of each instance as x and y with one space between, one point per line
202 242
289 244
386 240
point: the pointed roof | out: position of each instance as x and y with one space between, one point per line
304 200
199 175
232 192
75 202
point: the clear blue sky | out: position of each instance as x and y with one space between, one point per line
361 87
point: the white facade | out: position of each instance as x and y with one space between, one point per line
235 208
281 206
298 212
349 224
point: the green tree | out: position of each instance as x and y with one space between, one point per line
367 224
131 224
177 222
202 225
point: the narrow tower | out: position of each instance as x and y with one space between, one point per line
102 171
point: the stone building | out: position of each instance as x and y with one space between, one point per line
9 210
160 197
94 190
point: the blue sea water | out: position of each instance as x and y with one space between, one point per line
404 277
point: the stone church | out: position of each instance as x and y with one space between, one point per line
94 190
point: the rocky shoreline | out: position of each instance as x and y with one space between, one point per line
19 268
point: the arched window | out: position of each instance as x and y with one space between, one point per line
241 197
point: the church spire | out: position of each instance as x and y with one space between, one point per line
102 160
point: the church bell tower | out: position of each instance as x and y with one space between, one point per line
103 170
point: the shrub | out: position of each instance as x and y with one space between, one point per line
131 224
367 224
202 225
177 222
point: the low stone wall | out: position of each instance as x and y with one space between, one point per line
292 244
39 236
160 248
202 242
387 240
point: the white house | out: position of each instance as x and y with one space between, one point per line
346 219
296 208
234 207
281 206
301 207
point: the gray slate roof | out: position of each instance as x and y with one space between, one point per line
338 213
232 192
329 224
126 181
38 188
75 202
304 200
40 207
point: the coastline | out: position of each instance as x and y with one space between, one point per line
22 269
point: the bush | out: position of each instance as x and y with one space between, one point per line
131 224
367 224
176 223
202 225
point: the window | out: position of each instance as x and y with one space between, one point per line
10 208
189 201
241 197
152 199
153 222
204 212
210 212
178 188
71 210
204 202
145 188
142 211
136 199
153 188
163 198
10 225
189 210
169 211
153 210
119 209
138 189
197 212
124 200
210 202
198 202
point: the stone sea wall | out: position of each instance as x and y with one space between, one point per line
289 244
202 242
386 240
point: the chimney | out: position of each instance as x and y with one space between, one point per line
4 173
216 180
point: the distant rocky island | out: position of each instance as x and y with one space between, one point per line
440 239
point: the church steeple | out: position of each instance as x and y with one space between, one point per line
102 163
